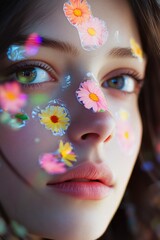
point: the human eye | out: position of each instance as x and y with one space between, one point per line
128 82
32 73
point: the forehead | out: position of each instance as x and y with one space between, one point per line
117 14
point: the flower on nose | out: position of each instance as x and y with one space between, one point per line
91 96
11 97
77 11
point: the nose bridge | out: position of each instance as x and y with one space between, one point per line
90 117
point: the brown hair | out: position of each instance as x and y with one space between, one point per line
13 15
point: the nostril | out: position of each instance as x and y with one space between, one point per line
90 135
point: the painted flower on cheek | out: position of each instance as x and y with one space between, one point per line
67 154
136 49
77 11
123 114
55 118
126 137
93 33
15 121
11 97
91 96
57 162
51 164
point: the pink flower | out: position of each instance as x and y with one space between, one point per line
51 165
11 97
91 96
32 44
126 137
93 33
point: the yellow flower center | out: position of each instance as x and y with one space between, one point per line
93 97
91 31
77 12
139 51
126 135
11 96
54 119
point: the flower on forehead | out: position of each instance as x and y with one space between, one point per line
32 44
136 49
55 118
11 97
126 137
50 163
77 11
90 94
93 33
67 154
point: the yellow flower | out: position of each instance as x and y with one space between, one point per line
136 49
66 151
55 118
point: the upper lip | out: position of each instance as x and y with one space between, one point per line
88 171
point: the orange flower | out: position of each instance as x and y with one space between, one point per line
77 11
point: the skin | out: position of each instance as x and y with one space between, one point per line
47 213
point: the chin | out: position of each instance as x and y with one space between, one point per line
74 229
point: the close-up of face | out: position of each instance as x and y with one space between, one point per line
81 129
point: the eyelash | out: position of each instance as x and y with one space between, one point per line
32 64
44 66
130 73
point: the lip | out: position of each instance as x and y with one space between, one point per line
87 181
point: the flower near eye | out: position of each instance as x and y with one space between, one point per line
91 96
16 53
77 11
11 97
93 33
50 163
67 154
136 49
55 118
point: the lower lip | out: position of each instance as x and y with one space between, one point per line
83 190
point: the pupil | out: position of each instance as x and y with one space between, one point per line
27 75
117 83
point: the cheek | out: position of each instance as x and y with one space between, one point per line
23 147
127 141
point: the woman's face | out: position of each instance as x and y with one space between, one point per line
106 143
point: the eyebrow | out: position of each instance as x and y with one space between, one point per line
66 47
121 52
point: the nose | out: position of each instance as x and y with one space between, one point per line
88 127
